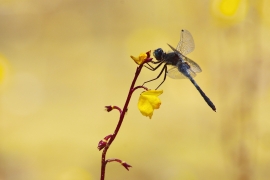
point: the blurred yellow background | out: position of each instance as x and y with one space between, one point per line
62 61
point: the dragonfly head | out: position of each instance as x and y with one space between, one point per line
158 54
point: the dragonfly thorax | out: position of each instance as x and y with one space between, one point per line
171 58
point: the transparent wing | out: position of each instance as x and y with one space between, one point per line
186 43
193 66
175 74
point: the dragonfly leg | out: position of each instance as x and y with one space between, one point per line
154 68
165 74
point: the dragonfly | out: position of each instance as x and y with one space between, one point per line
180 66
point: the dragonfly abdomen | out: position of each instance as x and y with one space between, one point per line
207 100
184 68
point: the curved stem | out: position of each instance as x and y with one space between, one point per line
121 118
137 87
119 109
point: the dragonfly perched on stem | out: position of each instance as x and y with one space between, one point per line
182 66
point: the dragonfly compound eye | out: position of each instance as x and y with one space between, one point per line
158 53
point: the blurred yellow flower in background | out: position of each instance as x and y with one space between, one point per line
3 69
229 7
149 101
230 11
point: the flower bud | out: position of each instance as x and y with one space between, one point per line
123 163
102 143
127 166
142 58
108 108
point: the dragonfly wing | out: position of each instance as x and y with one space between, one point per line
174 73
176 51
193 66
192 74
186 43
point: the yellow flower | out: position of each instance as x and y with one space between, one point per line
149 101
4 69
142 58
230 11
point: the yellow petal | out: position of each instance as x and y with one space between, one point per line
153 100
153 92
139 60
149 101
145 107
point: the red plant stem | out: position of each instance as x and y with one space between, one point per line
121 118
116 107
137 87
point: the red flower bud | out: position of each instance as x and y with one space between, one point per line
108 108
102 143
127 166
123 163
148 54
